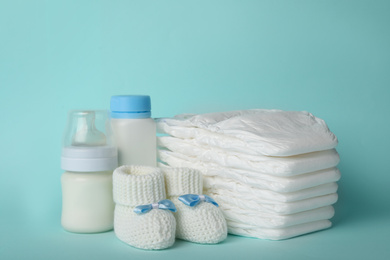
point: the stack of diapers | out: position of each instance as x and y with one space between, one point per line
272 172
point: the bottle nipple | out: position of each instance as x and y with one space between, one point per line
86 132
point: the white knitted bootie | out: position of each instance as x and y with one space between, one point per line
139 219
201 221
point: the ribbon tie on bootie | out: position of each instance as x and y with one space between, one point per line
162 204
193 199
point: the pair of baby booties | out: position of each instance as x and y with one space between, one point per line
143 218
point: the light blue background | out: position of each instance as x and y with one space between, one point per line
331 58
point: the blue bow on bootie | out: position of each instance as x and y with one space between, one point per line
162 204
193 199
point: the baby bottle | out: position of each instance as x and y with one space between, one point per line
134 130
89 158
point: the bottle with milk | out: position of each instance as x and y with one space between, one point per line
134 130
89 158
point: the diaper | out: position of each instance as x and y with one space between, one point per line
256 132
232 188
254 179
243 204
243 229
280 166
269 220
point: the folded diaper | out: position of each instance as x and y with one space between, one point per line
269 220
258 180
243 229
233 188
233 201
256 132
280 166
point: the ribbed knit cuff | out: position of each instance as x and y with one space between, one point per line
181 181
138 185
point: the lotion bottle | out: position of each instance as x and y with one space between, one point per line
89 158
134 130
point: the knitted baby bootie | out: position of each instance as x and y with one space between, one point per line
142 217
198 218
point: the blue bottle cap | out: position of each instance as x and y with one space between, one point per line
130 106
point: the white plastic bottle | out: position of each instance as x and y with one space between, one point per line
134 130
89 158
